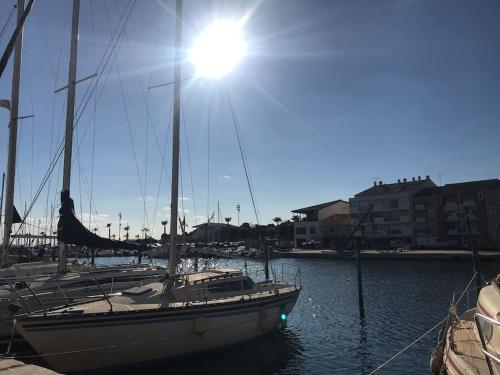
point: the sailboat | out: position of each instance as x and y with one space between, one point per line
31 287
185 314
470 344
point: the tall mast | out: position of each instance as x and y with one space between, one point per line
174 199
11 158
70 114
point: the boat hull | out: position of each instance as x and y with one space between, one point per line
119 339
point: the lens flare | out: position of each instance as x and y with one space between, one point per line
218 50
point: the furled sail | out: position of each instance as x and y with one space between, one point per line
71 231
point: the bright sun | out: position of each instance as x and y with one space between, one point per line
218 49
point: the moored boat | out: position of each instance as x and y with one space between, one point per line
470 344
201 311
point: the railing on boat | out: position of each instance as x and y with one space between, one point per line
480 319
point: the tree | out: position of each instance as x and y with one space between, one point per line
108 225
227 220
126 230
295 218
278 220
164 223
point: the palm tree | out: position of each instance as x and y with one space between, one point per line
227 220
95 230
113 236
108 225
137 236
126 230
164 223
295 218
145 230
278 220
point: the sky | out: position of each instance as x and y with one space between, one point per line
330 96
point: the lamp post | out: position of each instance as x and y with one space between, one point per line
238 208
119 225
108 225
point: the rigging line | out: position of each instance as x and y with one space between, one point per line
60 150
189 164
407 347
162 168
242 156
144 98
111 43
8 21
131 139
146 156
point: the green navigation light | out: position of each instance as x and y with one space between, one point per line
283 316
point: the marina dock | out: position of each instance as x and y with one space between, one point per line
463 255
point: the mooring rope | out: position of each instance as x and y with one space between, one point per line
408 346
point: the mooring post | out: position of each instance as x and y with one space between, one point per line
360 285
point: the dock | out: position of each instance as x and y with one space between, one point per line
463 255
13 367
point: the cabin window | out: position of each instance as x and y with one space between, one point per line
230 286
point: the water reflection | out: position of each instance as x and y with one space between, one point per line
279 352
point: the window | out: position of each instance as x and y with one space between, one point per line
480 195
396 231
230 286
390 203
300 230
312 230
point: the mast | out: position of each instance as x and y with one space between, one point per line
174 199
70 114
11 158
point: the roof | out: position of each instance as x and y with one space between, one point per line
317 206
463 186
409 186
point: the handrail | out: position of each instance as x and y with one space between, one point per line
484 349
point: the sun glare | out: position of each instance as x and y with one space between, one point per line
218 49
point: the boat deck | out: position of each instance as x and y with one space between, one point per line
155 299
11 366
466 352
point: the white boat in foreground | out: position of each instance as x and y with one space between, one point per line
471 344
202 311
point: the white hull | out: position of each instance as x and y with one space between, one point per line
118 339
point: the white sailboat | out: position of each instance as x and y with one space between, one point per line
186 314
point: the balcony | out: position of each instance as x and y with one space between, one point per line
378 220
420 206
420 219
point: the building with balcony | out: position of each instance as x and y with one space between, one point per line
326 224
453 211
391 220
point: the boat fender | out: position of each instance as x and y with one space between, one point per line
437 360
200 325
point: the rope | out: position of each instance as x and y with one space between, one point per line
84 103
407 347
243 159
8 21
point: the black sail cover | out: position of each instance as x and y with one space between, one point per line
71 231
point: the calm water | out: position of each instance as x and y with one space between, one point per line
325 336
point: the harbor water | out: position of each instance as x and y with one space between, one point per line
324 333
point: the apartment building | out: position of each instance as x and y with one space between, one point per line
391 220
325 224
447 215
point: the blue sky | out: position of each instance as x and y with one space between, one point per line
331 95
